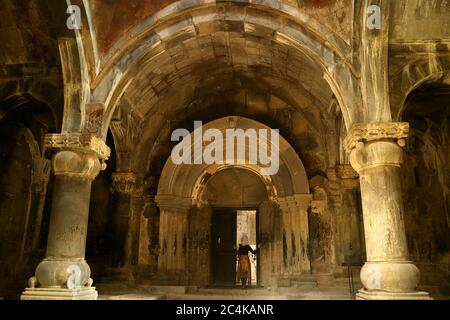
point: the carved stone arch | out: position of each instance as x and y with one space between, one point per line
182 180
28 136
33 94
80 63
150 38
414 75
283 213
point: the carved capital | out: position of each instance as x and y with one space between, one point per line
376 144
82 142
76 164
348 177
362 133
376 154
94 118
295 203
173 203
127 182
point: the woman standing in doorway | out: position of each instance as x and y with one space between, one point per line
244 272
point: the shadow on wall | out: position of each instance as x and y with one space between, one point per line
24 193
426 185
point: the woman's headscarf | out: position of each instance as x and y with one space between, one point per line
244 240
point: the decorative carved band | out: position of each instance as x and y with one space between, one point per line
78 141
127 182
366 132
346 171
94 118
297 202
173 203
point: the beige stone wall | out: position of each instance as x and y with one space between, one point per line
420 20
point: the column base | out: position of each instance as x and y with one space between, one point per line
59 294
382 295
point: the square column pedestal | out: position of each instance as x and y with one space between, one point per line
59 294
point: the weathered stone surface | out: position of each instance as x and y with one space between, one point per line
377 154
108 97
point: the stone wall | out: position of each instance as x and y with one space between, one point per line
426 186
24 176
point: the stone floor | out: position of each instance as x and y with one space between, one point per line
179 293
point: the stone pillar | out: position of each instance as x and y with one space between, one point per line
295 236
64 273
347 216
376 154
270 243
147 258
127 188
41 176
173 239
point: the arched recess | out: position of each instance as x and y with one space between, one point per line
135 57
414 75
24 176
426 183
185 214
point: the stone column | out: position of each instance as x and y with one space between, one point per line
295 236
147 258
64 273
173 239
376 154
347 216
128 192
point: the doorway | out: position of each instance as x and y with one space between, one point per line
229 226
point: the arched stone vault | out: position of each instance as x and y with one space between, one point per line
248 98
161 54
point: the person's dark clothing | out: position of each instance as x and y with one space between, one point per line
243 250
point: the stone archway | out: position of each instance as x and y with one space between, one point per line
185 199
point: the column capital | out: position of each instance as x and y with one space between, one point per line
127 182
295 202
361 133
81 142
348 177
376 144
173 203
76 164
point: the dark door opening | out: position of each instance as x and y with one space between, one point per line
228 229
223 243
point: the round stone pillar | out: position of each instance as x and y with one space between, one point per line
376 154
64 273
